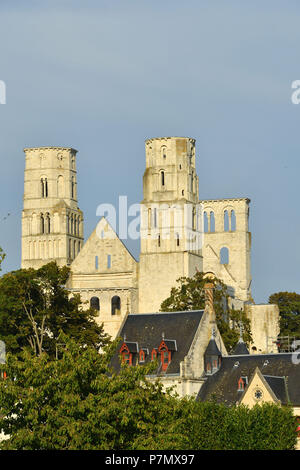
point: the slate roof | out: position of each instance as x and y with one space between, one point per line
147 330
212 349
279 371
240 348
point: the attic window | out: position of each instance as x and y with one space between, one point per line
142 356
243 381
126 354
165 355
153 354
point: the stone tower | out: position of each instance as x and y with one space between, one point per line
171 234
52 223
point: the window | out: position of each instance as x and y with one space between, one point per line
126 354
108 261
162 178
205 222
164 152
224 255
226 221
115 305
232 221
158 240
212 222
96 262
177 239
42 222
165 356
155 217
241 385
48 225
73 187
44 187
142 356
153 355
95 303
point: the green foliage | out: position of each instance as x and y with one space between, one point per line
35 307
264 427
189 295
289 309
77 403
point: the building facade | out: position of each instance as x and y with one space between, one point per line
180 234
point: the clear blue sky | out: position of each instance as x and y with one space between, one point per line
103 75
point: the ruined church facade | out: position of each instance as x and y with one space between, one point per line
180 234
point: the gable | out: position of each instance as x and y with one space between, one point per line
103 252
258 391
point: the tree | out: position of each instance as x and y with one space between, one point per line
78 403
189 295
35 307
289 311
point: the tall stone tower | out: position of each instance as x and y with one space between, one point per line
52 223
170 219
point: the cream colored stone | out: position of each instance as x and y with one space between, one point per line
170 218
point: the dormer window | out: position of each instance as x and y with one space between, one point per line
153 355
142 356
243 381
165 349
126 354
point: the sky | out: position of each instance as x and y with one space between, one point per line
102 76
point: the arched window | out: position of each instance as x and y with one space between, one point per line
224 255
149 219
162 178
46 187
158 240
212 222
205 222
153 354
108 261
232 221
155 217
73 187
42 188
226 221
96 262
115 305
164 152
71 230
142 356
48 223
74 248
95 303
177 239
42 222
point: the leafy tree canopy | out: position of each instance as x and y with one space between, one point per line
78 403
35 307
189 295
289 310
